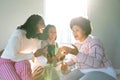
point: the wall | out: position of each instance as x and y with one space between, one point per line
105 18
14 13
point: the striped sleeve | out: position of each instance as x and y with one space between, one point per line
94 57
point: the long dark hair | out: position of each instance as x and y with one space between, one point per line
30 25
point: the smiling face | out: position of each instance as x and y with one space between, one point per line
52 34
40 27
79 33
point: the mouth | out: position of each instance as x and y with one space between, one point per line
75 36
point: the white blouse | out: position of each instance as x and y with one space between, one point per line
19 47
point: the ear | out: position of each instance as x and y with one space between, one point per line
84 32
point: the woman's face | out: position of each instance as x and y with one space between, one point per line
79 33
52 33
40 27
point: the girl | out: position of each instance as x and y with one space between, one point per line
45 60
21 47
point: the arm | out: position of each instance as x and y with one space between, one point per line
13 47
72 60
65 66
94 58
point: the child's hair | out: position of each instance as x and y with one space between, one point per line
83 23
30 25
46 30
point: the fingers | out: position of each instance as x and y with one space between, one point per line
74 46
74 50
37 71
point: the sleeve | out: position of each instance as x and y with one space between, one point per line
72 60
94 57
13 48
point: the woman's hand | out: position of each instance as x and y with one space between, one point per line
74 50
38 73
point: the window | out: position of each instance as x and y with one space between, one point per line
60 12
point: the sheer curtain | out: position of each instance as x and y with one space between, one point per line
60 12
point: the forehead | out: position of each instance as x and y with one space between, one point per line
52 29
76 27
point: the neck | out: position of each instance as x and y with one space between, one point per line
51 41
83 39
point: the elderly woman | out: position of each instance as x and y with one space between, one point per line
91 61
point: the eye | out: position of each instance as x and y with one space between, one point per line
77 30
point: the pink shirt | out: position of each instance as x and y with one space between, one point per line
91 54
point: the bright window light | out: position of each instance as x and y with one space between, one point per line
60 12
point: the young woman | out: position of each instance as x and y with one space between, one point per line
22 45
91 61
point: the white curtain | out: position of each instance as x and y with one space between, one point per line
60 12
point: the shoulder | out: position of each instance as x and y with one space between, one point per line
19 32
94 41
44 43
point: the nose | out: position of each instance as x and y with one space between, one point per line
74 33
